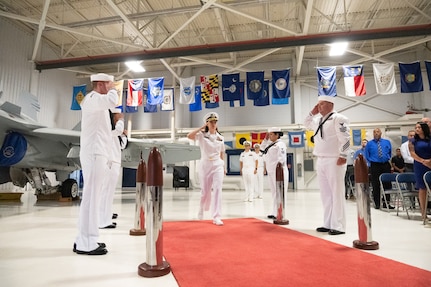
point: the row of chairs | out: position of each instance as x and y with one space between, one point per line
402 191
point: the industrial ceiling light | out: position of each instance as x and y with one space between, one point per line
135 66
338 49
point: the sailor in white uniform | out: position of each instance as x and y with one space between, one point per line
332 143
94 155
275 152
258 191
212 168
248 169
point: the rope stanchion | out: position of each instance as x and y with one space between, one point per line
363 202
280 196
154 266
141 185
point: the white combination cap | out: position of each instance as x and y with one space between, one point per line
102 78
326 99
274 130
256 145
210 117
246 143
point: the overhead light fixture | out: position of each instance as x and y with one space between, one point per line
135 66
338 49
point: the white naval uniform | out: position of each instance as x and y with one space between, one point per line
275 154
258 185
335 143
248 159
105 215
211 172
94 156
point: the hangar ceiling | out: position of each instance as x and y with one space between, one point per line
99 35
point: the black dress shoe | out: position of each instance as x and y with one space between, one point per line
271 216
335 232
100 244
114 215
98 251
109 226
322 229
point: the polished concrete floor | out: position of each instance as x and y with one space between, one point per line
37 236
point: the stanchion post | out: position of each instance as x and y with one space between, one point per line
154 266
363 202
141 186
280 196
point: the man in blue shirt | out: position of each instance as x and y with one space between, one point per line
378 152
361 151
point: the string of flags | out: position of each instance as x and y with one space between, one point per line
206 93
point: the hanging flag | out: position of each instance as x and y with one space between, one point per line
257 138
77 97
135 93
354 81
209 88
296 139
280 87
240 138
411 77
150 108
168 100
264 100
209 105
384 77
197 105
255 85
357 137
326 77
428 68
187 90
155 91
241 101
308 135
119 87
230 89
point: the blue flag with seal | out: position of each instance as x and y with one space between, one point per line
197 105
155 91
77 97
296 139
326 77
230 89
280 87
411 77
241 101
264 100
428 68
255 85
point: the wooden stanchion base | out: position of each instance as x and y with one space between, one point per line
373 245
137 232
281 222
149 271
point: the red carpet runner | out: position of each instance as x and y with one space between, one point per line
249 252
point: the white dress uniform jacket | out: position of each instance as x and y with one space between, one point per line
332 143
248 159
258 191
94 156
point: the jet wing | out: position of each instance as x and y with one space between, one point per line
69 137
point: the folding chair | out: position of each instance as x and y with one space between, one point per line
427 180
406 187
389 187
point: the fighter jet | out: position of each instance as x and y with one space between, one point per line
29 150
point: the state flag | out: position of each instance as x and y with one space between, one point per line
354 81
326 81
155 91
428 68
197 105
241 101
264 100
280 87
77 96
230 87
384 77
187 90
119 87
411 77
168 100
255 85
135 93
209 88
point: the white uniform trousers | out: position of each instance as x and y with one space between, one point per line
272 182
258 183
94 169
107 198
331 181
248 178
211 177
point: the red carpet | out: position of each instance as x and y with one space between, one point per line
250 252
